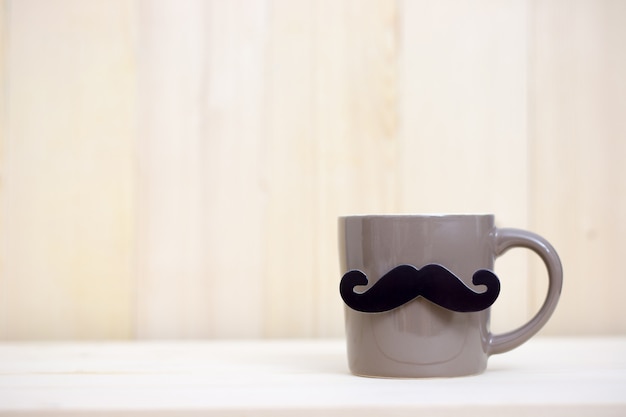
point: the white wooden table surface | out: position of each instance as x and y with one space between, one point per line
556 377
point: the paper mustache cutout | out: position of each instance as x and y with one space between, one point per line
433 282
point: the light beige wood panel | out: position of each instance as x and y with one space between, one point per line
4 88
355 92
172 285
289 275
67 170
578 152
200 191
463 123
331 138
235 157
260 122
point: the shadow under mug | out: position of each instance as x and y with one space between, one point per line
421 338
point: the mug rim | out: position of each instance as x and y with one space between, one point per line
417 215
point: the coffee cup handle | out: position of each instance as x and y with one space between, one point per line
505 239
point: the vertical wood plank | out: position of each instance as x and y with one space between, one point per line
332 143
235 161
578 153
354 116
66 241
463 123
201 185
291 267
171 288
4 121
4 95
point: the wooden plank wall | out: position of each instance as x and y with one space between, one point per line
578 141
174 169
67 168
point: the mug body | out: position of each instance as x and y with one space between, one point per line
419 338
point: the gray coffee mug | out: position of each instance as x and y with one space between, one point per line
429 315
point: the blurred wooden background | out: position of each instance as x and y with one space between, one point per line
174 169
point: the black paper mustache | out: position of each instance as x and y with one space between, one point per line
433 282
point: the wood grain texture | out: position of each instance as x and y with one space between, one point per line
290 268
171 281
4 96
276 378
235 157
67 172
355 125
201 182
332 142
578 143
4 121
463 123
175 169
